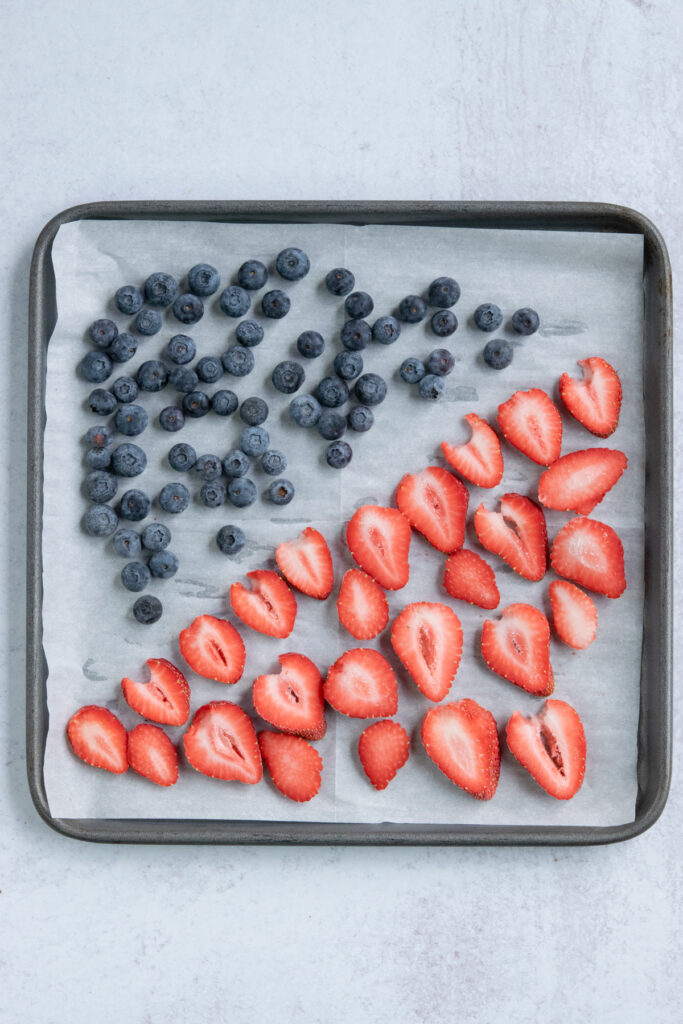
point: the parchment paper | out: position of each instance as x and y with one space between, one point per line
587 289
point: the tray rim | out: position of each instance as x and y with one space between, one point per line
570 216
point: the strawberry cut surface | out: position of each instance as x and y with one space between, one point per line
293 764
269 607
591 554
462 740
427 639
292 699
362 684
213 648
306 563
517 647
467 577
595 401
480 460
98 738
517 533
151 753
362 605
165 698
577 482
221 743
435 503
379 541
575 616
383 748
551 746
531 422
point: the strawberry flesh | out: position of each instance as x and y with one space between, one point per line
362 605
99 738
221 742
580 480
379 541
462 741
480 460
551 746
151 753
362 684
213 648
468 577
435 503
591 554
383 748
294 765
575 616
517 534
517 647
292 699
427 639
531 422
165 698
269 607
306 563
594 401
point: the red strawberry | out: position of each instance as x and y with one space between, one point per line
517 647
575 616
551 746
362 684
165 698
594 401
469 578
362 605
531 422
306 563
383 748
98 738
517 533
462 741
480 460
292 700
294 765
379 540
213 648
427 639
591 554
151 753
435 503
221 743
269 607
580 480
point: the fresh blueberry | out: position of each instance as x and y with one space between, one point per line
100 486
203 279
236 463
174 498
128 299
281 492
96 367
100 436
125 389
148 609
152 375
98 458
238 361
181 349
213 494
249 333
128 460
304 410
338 454
412 370
275 304
444 323
182 378
355 335
488 317
440 362
172 418
242 492
131 420
126 543
101 402
156 537
252 275
230 540
234 301
209 369
123 347
431 387
348 365
340 281
254 440
288 376
147 322
412 309
332 392
525 321
358 305
273 462
332 424
370 389
100 521
361 418
498 353
292 264
160 289
310 344
253 411
135 505
224 402
443 292
187 308
103 332
135 576
386 330
208 467
182 457
163 565
196 404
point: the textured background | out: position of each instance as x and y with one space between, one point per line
492 100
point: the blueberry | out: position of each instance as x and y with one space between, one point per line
131 420
135 576
188 308
348 365
230 540
310 344
96 367
196 404
147 322
488 317
358 305
160 289
332 392
98 458
209 369
253 411
340 281
361 418
370 389
338 454
386 330
444 323
304 410
174 498
412 309
156 537
208 467
238 361
443 292
355 335
148 609
236 463
128 299
440 362
128 460
252 275
182 457
275 304
234 301
332 424
126 543
100 486
182 378
224 402
125 389
152 375
281 492
100 436
163 564
101 402
100 521
123 347
288 376
292 264
102 332
135 505
213 494
273 462
242 492
525 321
181 349
431 387
172 418
249 333
498 353
254 440
412 370
203 279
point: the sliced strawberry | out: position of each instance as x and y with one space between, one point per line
306 563
462 741
591 554
383 748
362 605
580 480
427 639
294 765
594 401
213 648
379 541
517 533
575 616
269 607
531 422
151 753
362 684
551 746
480 460
221 742
468 577
98 738
517 647
435 503
292 699
165 698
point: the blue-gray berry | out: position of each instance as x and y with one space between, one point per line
98 458
163 564
203 279
172 418
238 361
131 419
310 344
304 410
125 389
155 537
273 462
100 486
209 369
340 281
196 404
249 333
431 387
123 347
152 375
444 323
100 436
182 457
242 492
135 576
208 467
443 292
230 540
288 376
236 463
174 498
332 392
254 440
102 332
412 309
292 264
358 305
498 353
275 304
128 460
148 609
488 317
348 365
128 299
160 289
126 543
386 330
224 402
361 418
101 402
355 335
234 301
412 370
281 492
181 349
147 322
252 275
253 411
134 505
440 362
183 379
188 308
100 521
332 424
96 366
338 454
213 494
525 321
370 389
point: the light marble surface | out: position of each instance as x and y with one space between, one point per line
495 100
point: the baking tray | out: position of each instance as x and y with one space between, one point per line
654 728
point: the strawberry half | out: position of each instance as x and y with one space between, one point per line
580 480
594 401
379 541
306 563
427 639
99 739
480 460
468 577
531 422
292 699
362 684
165 698
591 554
383 748
517 647
294 765
435 503
462 741
362 605
517 534
151 753
575 616
269 607
551 746
221 742
213 648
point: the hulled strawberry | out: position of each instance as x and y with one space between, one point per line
383 748
98 738
531 422
213 648
595 401
293 764
165 698
462 741
292 699
517 534
517 647
575 616
551 746
580 480
362 684
379 541
306 563
591 554
435 503
480 460
151 753
468 577
221 742
427 639
269 607
362 605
